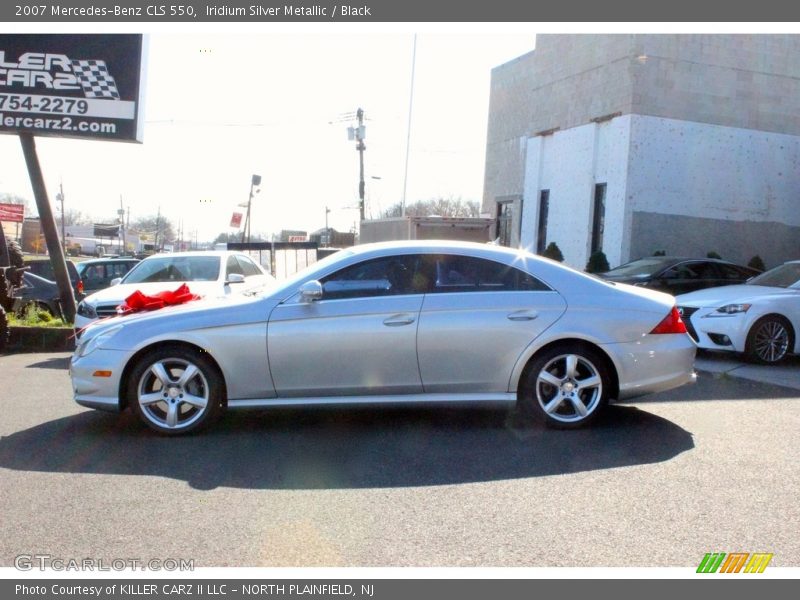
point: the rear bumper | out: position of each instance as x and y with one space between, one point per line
655 363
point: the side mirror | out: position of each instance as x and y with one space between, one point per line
310 291
116 280
235 278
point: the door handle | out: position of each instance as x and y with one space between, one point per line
523 315
399 320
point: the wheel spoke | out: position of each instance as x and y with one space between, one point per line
148 399
160 372
554 404
578 405
196 401
592 381
172 414
190 372
549 378
572 365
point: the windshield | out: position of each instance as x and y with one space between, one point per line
787 275
175 268
638 268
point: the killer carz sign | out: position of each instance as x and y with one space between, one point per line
81 86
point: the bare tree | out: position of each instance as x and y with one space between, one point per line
441 207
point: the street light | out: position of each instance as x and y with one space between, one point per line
255 181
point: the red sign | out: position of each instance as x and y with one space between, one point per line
12 213
236 220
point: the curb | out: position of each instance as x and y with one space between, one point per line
40 339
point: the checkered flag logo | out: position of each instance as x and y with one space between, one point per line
95 79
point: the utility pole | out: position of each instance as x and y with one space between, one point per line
255 181
359 134
158 229
327 229
121 213
60 197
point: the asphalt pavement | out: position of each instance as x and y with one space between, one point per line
710 467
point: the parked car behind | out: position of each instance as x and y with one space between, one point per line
676 276
401 322
44 268
760 318
206 273
97 274
39 292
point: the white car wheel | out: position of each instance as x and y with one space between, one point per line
769 340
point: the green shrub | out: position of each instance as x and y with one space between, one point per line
757 263
660 253
598 263
35 316
553 252
713 254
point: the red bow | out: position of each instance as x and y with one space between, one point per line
138 302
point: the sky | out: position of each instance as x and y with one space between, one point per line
222 106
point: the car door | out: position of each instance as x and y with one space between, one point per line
476 321
358 339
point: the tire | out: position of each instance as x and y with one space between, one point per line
167 403
15 254
565 387
769 340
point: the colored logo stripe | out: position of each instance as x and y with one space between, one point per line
734 562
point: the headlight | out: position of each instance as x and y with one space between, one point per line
730 309
86 310
87 347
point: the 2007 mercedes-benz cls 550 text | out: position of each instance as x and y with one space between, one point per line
401 322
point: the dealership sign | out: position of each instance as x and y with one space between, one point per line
84 86
12 213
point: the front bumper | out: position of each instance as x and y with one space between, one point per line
96 379
727 332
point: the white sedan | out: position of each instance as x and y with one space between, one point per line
207 274
760 318
402 322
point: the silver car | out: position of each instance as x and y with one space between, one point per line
402 322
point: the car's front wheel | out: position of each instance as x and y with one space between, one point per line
176 390
565 387
770 340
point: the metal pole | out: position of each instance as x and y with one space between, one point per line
360 147
63 216
408 134
65 292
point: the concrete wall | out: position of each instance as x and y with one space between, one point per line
569 164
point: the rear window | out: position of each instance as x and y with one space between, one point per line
44 268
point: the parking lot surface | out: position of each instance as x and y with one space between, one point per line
658 482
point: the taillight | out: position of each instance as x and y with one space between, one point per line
79 285
672 323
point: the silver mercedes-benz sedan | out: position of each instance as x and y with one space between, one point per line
401 322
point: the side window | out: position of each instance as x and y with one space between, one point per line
248 267
683 271
469 274
734 273
233 266
388 276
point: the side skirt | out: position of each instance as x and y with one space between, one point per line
399 399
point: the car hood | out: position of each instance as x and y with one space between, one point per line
719 296
118 293
197 314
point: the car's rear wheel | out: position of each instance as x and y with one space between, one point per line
565 387
770 340
176 390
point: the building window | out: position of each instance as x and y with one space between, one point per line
544 208
598 217
505 217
